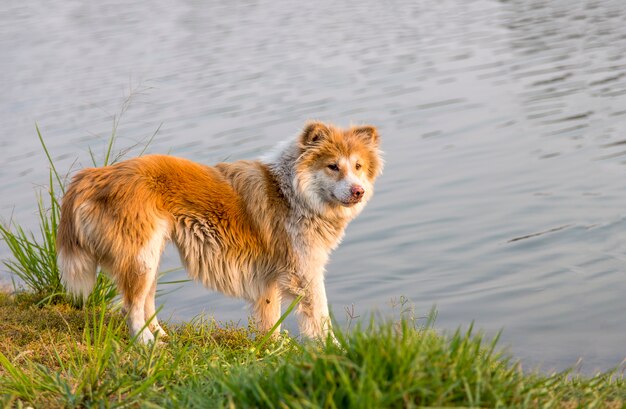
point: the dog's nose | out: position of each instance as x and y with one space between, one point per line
357 192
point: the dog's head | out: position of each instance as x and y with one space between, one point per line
336 168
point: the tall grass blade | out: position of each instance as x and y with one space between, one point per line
112 138
147 144
50 161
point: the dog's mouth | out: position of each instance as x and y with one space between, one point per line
346 203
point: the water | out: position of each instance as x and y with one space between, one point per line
503 198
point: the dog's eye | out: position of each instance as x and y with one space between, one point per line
358 166
333 167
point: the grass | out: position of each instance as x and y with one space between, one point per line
58 356
53 354
34 259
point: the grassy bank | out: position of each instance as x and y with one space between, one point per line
59 356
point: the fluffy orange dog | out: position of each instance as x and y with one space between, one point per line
261 230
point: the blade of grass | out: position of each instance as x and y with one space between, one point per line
107 154
150 140
50 161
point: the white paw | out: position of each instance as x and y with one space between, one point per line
158 330
145 337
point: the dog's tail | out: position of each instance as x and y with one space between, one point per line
77 266
78 272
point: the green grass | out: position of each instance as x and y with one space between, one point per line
57 356
34 259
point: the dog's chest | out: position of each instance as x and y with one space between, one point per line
312 240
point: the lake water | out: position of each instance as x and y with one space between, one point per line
504 125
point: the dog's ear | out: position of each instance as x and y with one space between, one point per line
313 132
367 133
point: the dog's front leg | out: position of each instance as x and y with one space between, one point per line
267 309
313 316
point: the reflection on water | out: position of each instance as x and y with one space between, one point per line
503 125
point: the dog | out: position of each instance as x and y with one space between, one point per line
261 230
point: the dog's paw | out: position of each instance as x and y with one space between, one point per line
159 332
144 337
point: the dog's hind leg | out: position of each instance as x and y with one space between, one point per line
137 280
150 311
135 283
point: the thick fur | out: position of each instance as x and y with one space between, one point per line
261 230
